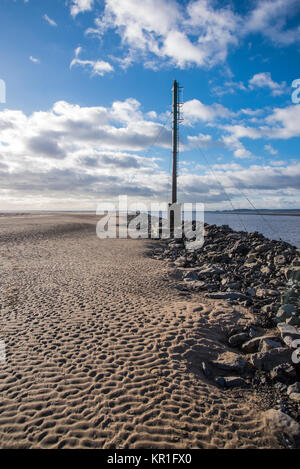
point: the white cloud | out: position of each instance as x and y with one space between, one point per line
229 87
67 127
195 34
269 18
271 149
278 163
80 6
97 67
283 123
80 151
191 33
85 154
265 185
264 80
194 111
50 20
34 60
239 150
200 140
240 131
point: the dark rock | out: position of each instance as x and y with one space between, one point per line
281 387
293 320
190 276
284 373
294 388
230 382
265 293
254 344
267 344
227 296
268 360
208 271
252 333
288 330
230 362
238 339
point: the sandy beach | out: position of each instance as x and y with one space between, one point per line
104 351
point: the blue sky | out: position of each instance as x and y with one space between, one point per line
86 115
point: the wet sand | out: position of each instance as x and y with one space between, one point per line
103 351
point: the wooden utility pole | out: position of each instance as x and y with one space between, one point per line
175 133
176 108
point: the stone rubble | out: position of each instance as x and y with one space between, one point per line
264 276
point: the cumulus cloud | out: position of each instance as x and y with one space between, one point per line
89 151
95 152
279 123
283 122
264 80
193 33
234 144
257 181
269 18
194 111
80 6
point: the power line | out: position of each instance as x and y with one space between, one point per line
242 193
222 187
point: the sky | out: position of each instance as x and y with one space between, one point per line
85 102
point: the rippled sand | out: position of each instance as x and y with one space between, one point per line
103 350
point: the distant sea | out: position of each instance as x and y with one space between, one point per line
274 226
286 227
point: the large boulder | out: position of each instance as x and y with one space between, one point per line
267 344
255 344
231 362
230 381
266 361
237 339
279 422
286 330
285 312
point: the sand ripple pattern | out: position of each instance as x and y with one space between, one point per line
104 352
